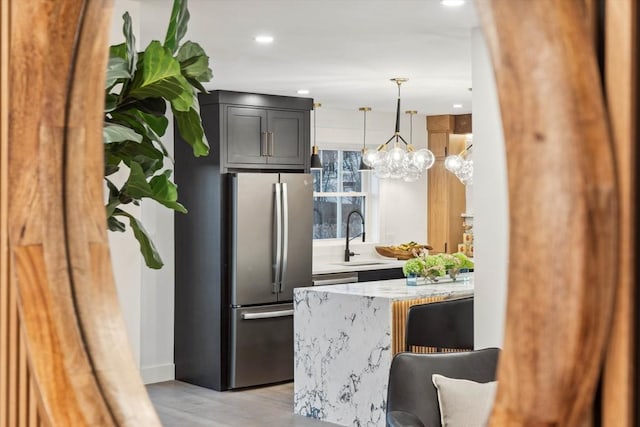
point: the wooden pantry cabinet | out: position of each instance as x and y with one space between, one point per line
446 194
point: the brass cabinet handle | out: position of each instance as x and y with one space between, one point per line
263 144
270 144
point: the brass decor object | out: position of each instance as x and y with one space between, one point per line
364 152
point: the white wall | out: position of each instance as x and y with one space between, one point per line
146 295
125 255
401 206
491 229
157 287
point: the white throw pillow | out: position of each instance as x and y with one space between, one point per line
464 403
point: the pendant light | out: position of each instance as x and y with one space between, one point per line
364 152
402 161
316 163
460 165
412 172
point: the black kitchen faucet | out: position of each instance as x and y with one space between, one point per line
348 254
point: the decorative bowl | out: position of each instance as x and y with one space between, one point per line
398 253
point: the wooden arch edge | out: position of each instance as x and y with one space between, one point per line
59 261
564 221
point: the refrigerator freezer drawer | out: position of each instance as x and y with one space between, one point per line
261 345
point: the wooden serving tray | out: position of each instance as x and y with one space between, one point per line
391 252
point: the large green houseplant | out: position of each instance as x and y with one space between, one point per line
139 86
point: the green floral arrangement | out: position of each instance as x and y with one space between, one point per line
413 266
433 266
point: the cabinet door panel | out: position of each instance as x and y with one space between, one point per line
287 137
245 133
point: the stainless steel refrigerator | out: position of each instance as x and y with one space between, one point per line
270 254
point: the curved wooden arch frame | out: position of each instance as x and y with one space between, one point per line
55 241
59 262
566 211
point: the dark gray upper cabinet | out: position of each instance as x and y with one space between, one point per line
255 131
286 138
246 135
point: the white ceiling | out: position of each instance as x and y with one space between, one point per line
343 51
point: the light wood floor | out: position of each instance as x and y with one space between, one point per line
184 405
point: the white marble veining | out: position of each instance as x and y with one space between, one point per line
343 347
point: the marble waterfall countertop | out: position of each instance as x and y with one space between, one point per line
343 338
397 289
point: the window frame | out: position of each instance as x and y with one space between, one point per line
368 190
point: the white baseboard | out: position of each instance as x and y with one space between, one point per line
158 373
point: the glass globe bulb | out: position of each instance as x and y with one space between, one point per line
381 170
381 157
411 176
465 173
370 157
453 163
397 171
423 159
396 155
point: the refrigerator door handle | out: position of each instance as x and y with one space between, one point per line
285 234
267 314
277 265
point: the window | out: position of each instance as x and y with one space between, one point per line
339 188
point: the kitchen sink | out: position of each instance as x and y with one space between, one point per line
362 262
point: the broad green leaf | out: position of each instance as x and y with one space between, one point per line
155 126
114 199
196 84
118 51
190 128
110 169
194 62
137 187
115 225
145 154
199 69
147 248
161 77
130 41
155 106
158 124
113 132
149 126
166 190
116 69
177 25
110 103
111 162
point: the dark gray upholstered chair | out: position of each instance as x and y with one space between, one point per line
412 400
443 324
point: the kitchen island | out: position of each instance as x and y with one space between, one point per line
344 339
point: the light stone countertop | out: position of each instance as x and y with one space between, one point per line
343 341
397 289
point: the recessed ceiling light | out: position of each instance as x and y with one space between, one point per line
303 91
263 39
457 105
452 3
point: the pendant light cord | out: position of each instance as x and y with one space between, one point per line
364 134
410 129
